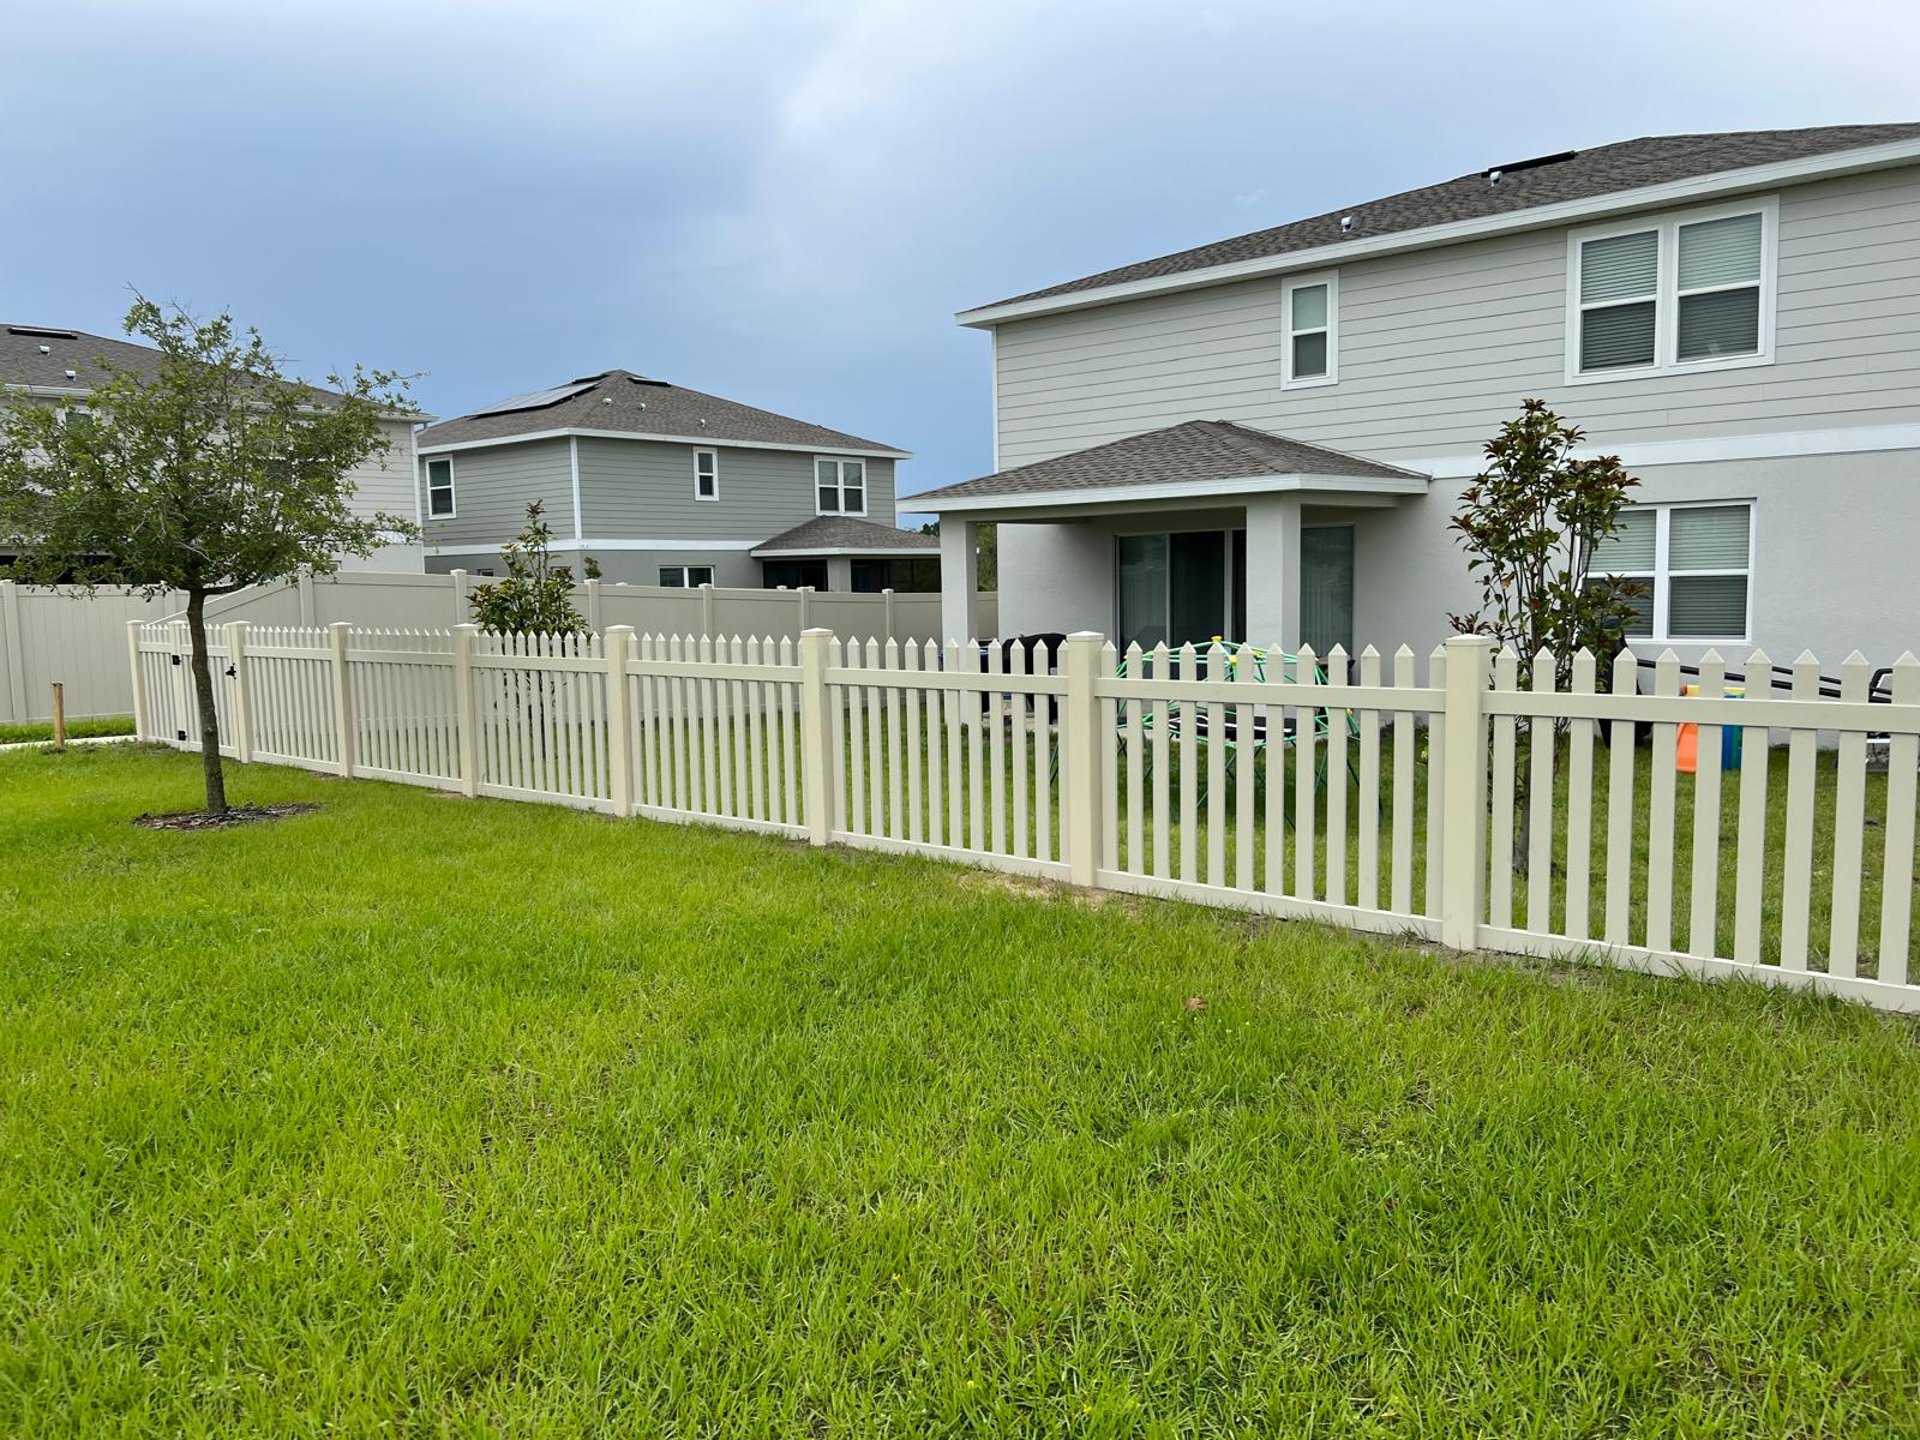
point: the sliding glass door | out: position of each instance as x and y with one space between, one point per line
1187 586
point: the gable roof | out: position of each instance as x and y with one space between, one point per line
1196 453
1573 175
834 534
619 402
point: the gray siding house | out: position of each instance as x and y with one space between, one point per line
49 365
1264 438
662 485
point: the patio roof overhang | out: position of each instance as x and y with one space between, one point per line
1346 490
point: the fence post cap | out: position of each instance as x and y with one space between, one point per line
816 630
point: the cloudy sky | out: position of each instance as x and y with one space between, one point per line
786 202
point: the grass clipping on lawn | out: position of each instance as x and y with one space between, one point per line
484 1118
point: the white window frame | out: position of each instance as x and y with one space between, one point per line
687 582
713 459
453 507
1330 279
1663 574
840 463
1666 300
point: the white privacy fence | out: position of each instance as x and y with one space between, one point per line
1449 799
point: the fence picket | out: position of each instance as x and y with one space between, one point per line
1189 774
1216 730
1401 862
1021 777
896 778
1500 857
876 748
990 706
1849 828
936 764
1540 782
1703 921
1750 866
1577 923
1246 752
1367 821
1162 820
1305 675
1620 808
1274 699
1660 811
955 745
1796 879
1436 783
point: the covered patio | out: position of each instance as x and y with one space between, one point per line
1203 529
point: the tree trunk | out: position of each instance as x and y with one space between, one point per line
203 701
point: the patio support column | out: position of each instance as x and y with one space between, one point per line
1273 571
959 576
839 574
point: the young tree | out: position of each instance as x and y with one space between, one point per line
1529 523
208 472
537 595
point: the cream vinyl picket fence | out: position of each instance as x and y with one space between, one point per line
1473 805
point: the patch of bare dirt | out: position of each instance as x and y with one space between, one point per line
236 815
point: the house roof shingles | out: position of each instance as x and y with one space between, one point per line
1196 452
844 532
1582 175
21 362
620 400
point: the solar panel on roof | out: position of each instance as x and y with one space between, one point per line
539 399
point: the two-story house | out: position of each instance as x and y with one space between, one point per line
1264 438
50 365
662 485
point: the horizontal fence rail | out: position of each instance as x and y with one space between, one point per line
1540 808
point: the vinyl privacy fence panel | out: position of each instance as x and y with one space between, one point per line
1464 797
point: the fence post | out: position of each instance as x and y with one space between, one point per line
461 611
466 712
593 606
305 584
142 718
342 696
242 692
1463 814
819 766
805 593
11 643
618 644
886 611
706 611
1080 758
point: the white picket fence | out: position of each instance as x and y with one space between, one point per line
1362 798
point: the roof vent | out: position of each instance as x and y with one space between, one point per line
45 349
643 380
73 374
42 330
1495 173
1346 224
703 422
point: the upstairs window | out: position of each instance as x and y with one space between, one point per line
1310 307
1692 564
841 486
1692 291
706 475
440 489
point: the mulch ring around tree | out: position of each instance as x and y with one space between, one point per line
236 815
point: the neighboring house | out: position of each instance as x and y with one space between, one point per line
60 367
1265 438
666 486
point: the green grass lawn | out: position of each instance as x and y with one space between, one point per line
444 1117
93 726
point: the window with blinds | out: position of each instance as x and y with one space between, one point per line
1693 564
1689 290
